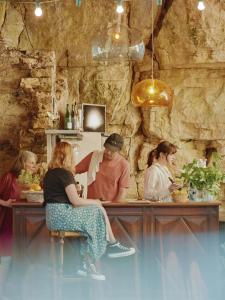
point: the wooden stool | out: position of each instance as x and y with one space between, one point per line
61 235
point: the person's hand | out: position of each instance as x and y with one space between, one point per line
8 203
97 202
174 187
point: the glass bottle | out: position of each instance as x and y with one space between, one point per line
76 117
68 121
73 117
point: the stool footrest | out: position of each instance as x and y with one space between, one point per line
64 234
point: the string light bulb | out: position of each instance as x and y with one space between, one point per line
119 7
201 5
38 10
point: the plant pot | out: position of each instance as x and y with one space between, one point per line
180 198
200 196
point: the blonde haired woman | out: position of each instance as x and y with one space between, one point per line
9 192
65 210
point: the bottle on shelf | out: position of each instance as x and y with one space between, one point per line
68 120
76 117
73 117
80 112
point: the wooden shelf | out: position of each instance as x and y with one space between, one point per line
61 131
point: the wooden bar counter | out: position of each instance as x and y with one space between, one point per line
136 224
163 234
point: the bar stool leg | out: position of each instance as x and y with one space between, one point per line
61 256
61 267
53 262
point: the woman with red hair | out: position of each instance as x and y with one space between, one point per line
65 210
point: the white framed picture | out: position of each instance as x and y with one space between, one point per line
94 117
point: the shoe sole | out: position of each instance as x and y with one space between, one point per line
82 273
93 276
97 277
124 254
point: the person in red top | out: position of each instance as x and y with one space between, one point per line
9 192
108 171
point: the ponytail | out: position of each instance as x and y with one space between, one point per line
151 157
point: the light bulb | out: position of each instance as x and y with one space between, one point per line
201 5
38 11
119 8
152 90
117 36
159 2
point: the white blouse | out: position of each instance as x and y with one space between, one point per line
157 183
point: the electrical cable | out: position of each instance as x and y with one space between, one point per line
30 2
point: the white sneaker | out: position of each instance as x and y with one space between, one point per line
82 271
92 272
117 250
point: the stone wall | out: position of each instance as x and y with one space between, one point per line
189 56
27 87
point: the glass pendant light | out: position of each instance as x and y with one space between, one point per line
118 43
152 92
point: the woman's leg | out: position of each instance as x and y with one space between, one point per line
109 233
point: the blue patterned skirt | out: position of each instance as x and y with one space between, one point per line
89 220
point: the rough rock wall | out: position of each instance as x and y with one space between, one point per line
189 54
27 87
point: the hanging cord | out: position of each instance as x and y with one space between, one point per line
30 2
152 40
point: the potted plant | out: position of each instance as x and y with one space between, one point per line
203 181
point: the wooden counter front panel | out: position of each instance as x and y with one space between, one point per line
136 226
170 239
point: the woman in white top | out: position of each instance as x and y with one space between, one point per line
159 184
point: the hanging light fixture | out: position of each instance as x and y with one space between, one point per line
38 10
119 7
118 43
159 2
201 5
78 3
152 92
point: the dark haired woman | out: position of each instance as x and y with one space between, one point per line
151 158
159 184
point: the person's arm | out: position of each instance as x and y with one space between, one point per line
7 203
76 200
121 195
6 189
123 184
84 164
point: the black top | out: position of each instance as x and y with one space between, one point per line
55 182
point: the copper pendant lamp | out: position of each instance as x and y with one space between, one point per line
152 92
